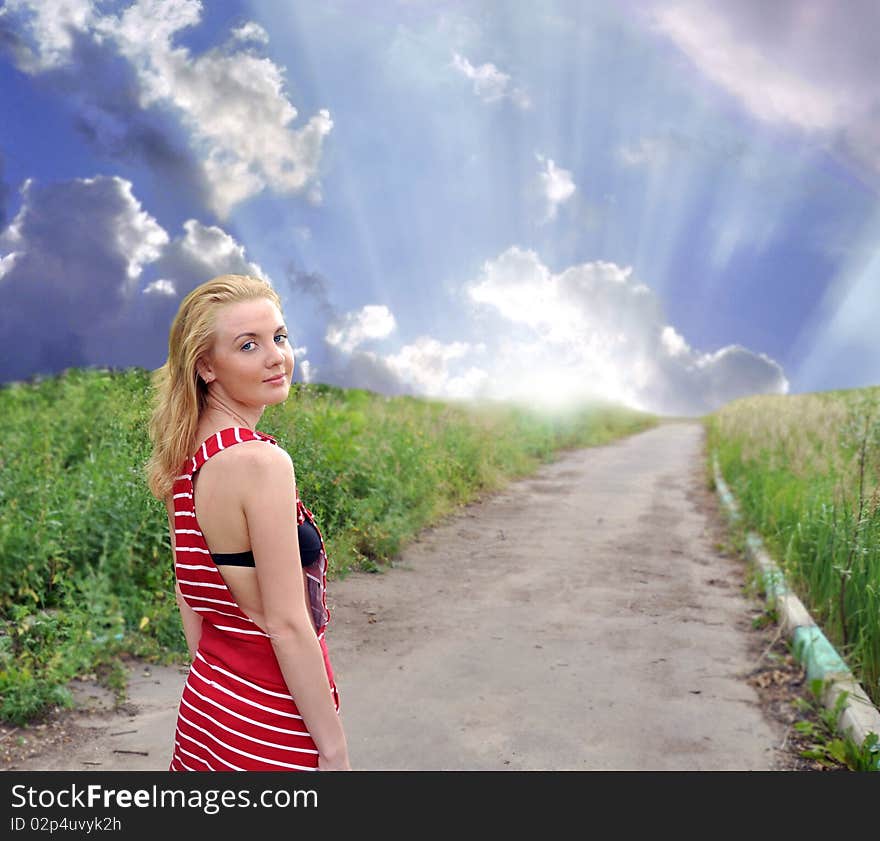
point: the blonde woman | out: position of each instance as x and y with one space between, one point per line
250 563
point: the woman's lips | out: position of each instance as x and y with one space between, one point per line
275 380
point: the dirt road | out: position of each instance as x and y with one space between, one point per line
582 618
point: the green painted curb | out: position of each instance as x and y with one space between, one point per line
811 647
772 577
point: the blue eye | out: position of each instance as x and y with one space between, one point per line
282 336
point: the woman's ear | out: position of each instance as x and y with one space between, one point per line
204 370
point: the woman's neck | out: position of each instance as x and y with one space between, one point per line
218 412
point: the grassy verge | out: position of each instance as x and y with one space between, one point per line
85 562
806 472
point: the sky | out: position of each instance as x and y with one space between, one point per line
668 204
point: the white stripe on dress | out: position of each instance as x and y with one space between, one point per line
214 610
245 718
243 698
180 762
204 748
214 601
202 584
241 630
248 721
238 750
287 697
241 735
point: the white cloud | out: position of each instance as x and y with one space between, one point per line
160 287
767 87
203 252
374 321
557 186
232 101
251 31
424 365
589 332
807 64
49 24
490 84
302 366
7 262
673 342
138 235
215 249
593 331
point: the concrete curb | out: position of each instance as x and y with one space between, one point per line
859 716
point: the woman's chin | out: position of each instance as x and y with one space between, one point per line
278 394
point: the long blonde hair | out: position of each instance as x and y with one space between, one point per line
180 394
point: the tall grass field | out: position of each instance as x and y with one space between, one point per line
806 472
86 570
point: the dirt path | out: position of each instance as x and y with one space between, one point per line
583 618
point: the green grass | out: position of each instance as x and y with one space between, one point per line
805 470
86 571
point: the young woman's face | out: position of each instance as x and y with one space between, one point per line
252 359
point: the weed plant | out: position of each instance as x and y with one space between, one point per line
827 746
805 470
86 571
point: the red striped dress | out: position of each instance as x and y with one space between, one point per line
236 712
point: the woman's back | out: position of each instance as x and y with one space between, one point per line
219 498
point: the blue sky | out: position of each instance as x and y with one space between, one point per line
665 203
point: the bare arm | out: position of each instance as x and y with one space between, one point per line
269 500
192 621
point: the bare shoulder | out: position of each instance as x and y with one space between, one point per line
258 460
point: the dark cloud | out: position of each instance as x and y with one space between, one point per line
203 252
360 369
103 93
314 286
138 333
75 243
12 44
695 385
73 292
